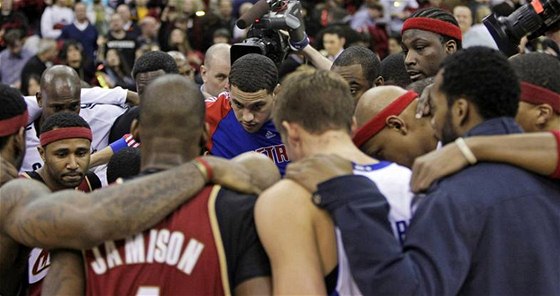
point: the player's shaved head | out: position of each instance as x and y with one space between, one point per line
60 91
172 107
403 137
374 100
60 79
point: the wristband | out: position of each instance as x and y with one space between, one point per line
118 145
204 168
466 151
299 45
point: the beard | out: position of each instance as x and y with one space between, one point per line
448 133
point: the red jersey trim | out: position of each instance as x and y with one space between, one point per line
215 112
556 174
218 238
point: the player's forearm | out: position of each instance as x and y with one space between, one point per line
71 219
101 157
66 274
536 152
126 209
316 58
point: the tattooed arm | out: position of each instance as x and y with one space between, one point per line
32 216
66 274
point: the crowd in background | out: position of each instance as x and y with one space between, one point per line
101 39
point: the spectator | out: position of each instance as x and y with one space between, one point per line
11 20
33 85
73 55
117 72
122 41
82 31
395 45
333 42
184 67
129 26
55 17
178 41
45 56
149 35
13 59
100 16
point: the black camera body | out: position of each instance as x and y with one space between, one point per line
534 18
264 36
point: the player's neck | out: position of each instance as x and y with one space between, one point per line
335 142
166 153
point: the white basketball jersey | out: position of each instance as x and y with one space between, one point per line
393 181
100 117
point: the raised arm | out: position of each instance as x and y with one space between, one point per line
316 58
536 152
71 219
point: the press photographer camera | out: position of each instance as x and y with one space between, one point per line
266 19
534 18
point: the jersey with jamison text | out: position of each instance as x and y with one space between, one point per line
206 247
228 139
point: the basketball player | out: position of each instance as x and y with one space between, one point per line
32 216
303 252
208 246
65 149
388 129
60 92
428 36
240 120
360 67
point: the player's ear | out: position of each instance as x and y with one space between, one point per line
397 124
292 131
354 126
39 99
41 152
135 130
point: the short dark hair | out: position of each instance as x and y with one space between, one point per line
359 55
442 15
63 119
484 77
335 30
319 100
12 104
12 36
393 70
124 164
154 61
253 72
67 44
539 69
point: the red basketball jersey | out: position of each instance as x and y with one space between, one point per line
181 255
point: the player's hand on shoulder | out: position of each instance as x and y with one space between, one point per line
435 165
232 175
311 171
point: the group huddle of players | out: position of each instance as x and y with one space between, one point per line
346 193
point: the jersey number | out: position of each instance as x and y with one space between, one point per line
147 291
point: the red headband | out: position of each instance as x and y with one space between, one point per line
65 133
377 123
12 125
433 25
534 94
